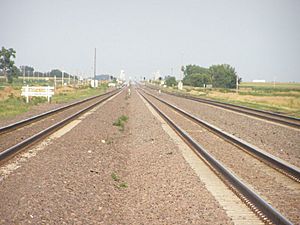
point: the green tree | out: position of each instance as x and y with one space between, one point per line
57 73
197 80
223 76
27 70
194 69
7 65
170 81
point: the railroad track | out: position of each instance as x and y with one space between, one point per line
266 115
20 135
223 156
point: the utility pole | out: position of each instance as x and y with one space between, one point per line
237 84
62 78
23 74
95 69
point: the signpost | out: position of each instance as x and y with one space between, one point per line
38 92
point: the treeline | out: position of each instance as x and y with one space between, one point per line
9 70
219 76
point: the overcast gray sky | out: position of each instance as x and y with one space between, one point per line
260 38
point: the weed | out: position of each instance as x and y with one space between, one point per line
109 141
38 100
115 177
123 185
120 122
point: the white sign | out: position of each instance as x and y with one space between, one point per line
180 85
94 83
111 84
38 92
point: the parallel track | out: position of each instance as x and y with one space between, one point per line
27 121
266 115
282 166
9 152
256 203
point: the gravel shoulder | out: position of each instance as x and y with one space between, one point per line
69 182
163 189
278 140
98 174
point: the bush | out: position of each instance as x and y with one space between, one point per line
197 80
170 81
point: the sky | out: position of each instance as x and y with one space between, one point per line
259 38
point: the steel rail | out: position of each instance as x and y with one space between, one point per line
277 163
29 141
16 125
266 115
270 213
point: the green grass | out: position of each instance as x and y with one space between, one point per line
115 177
120 122
79 94
119 184
15 105
12 107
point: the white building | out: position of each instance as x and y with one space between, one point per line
157 75
122 75
259 81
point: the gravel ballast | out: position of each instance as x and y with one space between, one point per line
98 173
279 140
282 192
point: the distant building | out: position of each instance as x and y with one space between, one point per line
122 75
157 75
259 81
103 78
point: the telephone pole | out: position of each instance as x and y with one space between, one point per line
95 69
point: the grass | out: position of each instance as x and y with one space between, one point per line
284 98
67 94
12 103
16 105
119 184
115 177
120 122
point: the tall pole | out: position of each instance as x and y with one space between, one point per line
95 69
237 83
24 75
62 78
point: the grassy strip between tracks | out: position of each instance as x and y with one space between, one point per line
283 98
12 103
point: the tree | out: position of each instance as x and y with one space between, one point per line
197 80
13 73
56 73
170 81
223 76
194 69
6 63
27 70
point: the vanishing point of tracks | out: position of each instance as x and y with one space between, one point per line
22 134
265 115
246 169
